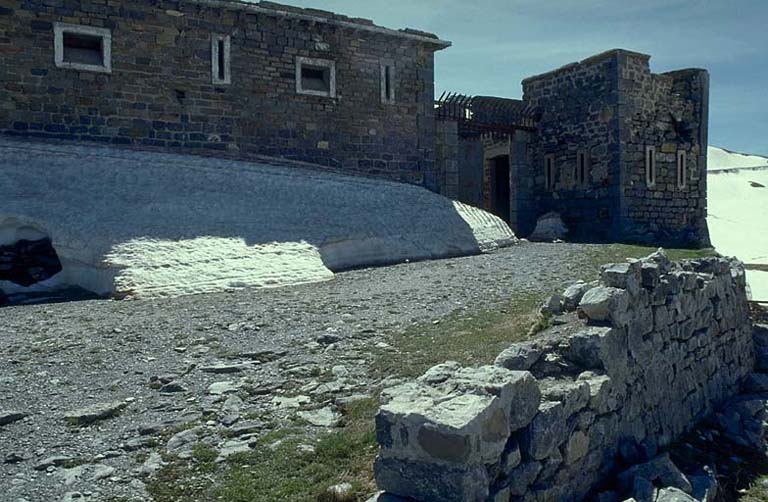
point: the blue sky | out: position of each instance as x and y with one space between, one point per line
497 43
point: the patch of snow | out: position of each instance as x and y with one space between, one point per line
738 220
738 214
489 230
155 224
208 264
720 158
758 284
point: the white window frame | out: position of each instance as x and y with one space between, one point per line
106 47
650 166
682 169
319 63
215 39
387 99
549 171
581 176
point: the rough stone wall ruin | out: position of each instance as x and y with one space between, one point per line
669 112
578 109
160 92
655 348
612 107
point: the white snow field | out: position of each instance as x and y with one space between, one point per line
738 211
720 158
146 224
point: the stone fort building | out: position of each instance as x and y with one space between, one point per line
617 151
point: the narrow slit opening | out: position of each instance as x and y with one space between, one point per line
221 72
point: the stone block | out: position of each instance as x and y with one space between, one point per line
553 305
671 494
573 394
520 356
660 470
456 415
427 481
604 303
573 294
597 348
547 430
626 276
602 395
520 479
576 447
650 272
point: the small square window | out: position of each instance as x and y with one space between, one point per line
388 83
316 77
84 48
220 59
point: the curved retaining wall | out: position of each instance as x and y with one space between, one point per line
645 354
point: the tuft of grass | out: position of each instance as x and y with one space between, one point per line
541 322
179 481
205 457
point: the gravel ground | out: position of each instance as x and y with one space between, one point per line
313 340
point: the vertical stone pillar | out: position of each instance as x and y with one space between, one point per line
447 166
522 214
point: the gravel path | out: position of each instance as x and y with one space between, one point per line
56 358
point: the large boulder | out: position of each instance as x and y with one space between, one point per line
549 227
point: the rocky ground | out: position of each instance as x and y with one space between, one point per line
95 394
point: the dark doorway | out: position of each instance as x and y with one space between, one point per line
500 186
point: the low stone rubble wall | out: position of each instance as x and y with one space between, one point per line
634 361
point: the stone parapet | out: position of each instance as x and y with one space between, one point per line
650 350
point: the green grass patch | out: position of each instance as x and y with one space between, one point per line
278 469
205 457
283 472
612 253
470 338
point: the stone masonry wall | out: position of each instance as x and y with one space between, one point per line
612 108
668 112
637 359
160 91
447 152
578 111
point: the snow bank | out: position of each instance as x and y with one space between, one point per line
738 212
153 224
209 264
720 158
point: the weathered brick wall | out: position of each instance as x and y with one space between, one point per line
669 112
160 94
578 109
659 347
